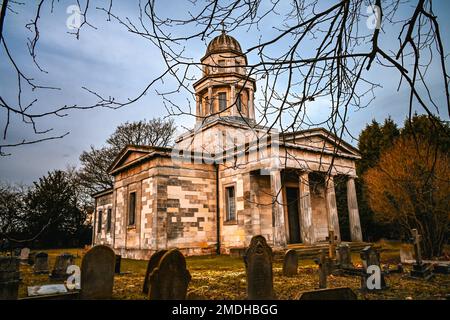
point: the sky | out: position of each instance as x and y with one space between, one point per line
110 60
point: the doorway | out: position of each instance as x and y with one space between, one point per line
292 199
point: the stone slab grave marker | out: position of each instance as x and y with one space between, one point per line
371 259
420 269
258 266
31 258
323 261
97 273
290 263
152 264
61 263
329 294
406 254
9 278
41 263
170 279
46 290
24 253
344 256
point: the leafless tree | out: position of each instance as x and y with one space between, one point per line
348 43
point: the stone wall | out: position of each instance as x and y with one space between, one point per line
103 203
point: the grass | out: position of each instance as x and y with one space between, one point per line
223 277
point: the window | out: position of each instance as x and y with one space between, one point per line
239 103
221 65
230 204
222 101
238 66
108 220
132 209
99 221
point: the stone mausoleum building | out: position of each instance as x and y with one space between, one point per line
229 179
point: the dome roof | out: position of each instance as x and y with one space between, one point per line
223 43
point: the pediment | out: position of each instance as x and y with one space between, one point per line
129 155
320 139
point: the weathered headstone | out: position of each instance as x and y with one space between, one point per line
152 264
371 257
329 294
170 279
62 262
24 253
420 269
9 278
41 263
406 255
258 265
97 273
117 264
344 256
290 263
323 263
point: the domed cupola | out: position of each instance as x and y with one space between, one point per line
223 43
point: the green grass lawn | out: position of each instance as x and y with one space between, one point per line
223 277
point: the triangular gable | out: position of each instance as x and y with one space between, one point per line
129 154
320 139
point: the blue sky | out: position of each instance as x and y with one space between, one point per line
114 62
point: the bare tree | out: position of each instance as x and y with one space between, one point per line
348 42
94 175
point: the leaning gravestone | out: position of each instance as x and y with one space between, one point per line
9 278
152 264
329 294
258 265
97 273
62 262
371 257
24 253
40 263
170 279
290 263
344 256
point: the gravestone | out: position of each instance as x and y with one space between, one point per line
118 263
170 279
420 269
406 254
290 263
329 294
41 263
371 257
258 266
97 273
62 262
344 256
24 253
9 278
323 261
152 264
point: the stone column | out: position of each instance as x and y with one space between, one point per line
306 225
197 107
210 105
355 225
279 232
233 109
251 107
333 220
